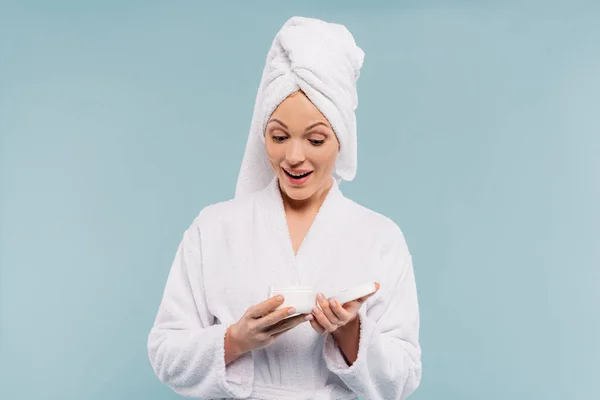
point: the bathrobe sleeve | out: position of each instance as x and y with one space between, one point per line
185 346
388 365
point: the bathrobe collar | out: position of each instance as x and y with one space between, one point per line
325 224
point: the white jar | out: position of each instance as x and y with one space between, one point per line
302 298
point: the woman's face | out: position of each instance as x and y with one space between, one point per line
300 142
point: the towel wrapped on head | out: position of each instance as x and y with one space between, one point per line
322 60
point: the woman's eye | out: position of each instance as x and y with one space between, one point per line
279 138
316 142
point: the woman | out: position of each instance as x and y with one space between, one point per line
216 335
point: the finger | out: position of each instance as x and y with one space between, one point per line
281 332
276 335
274 317
317 326
287 324
354 305
339 311
323 320
265 307
324 303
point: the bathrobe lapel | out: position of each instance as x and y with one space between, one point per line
316 248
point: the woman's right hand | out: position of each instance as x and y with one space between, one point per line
260 325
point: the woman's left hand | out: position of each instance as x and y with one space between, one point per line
333 315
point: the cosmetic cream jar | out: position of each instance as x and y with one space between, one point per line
302 298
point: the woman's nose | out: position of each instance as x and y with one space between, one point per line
294 154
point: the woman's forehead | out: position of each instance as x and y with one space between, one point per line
297 111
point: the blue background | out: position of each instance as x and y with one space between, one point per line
479 134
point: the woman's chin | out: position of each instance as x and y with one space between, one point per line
297 193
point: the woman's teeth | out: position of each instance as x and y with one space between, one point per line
297 176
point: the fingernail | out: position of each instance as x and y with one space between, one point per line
334 303
309 317
279 297
315 310
292 311
320 296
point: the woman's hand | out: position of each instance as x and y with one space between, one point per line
333 315
259 327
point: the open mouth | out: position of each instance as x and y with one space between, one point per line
297 176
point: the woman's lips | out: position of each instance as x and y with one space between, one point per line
297 180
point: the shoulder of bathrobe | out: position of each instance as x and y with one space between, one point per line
370 218
221 212
374 224
385 234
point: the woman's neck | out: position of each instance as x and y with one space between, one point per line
307 206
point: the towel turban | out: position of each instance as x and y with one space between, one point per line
322 60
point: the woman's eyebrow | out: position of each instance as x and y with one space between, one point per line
278 121
306 130
316 124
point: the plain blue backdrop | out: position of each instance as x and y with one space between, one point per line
479 134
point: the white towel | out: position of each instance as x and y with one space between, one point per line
322 60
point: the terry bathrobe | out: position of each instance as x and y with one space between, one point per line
234 250
228 258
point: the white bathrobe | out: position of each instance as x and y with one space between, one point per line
235 250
